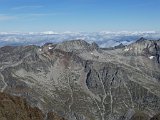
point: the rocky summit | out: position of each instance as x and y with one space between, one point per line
81 81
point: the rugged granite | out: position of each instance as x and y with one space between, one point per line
81 81
16 108
156 117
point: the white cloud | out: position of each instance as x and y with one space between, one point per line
27 7
49 33
4 17
41 14
108 39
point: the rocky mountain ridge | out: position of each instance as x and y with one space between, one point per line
81 81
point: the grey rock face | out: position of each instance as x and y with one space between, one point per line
72 46
80 81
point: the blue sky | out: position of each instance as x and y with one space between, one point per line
79 15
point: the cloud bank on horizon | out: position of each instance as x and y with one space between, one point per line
103 39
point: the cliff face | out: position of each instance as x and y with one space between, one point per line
81 81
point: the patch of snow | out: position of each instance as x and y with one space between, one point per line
126 49
91 53
151 57
50 48
69 67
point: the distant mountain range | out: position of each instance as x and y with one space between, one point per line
103 39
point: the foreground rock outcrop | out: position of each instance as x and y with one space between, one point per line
16 108
80 81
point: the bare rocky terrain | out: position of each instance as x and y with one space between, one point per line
16 108
80 81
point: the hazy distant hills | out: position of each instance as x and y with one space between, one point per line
103 39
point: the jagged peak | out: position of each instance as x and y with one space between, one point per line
48 43
94 45
121 45
73 45
141 39
79 41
